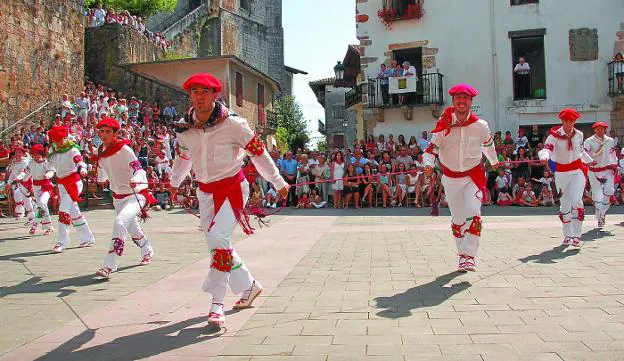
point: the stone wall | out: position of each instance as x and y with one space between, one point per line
617 116
108 48
41 56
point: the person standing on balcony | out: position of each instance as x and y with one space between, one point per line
522 73
603 150
383 84
459 140
409 71
618 70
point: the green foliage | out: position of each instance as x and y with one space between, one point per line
142 8
281 136
289 116
321 145
170 55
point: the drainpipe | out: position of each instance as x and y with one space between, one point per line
496 120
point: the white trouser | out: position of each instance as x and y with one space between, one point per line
602 186
463 197
42 199
219 236
571 210
68 206
21 196
127 222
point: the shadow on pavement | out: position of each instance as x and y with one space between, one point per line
551 255
595 234
137 346
426 295
33 285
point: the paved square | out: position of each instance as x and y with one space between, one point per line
339 285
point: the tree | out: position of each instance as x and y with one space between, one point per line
321 145
142 8
289 116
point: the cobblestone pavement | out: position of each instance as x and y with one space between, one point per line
339 285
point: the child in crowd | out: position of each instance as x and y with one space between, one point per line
546 197
304 201
256 198
4 191
272 197
504 198
163 198
316 201
528 198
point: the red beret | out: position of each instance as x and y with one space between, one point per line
600 124
204 80
37 149
57 132
463 88
108 122
569 114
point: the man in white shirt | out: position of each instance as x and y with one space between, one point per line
459 140
564 146
601 175
82 106
522 73
117 163
99 15
423 142
212 141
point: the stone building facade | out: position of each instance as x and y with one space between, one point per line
41 56
248 29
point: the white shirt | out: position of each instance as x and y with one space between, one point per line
462 148
560 152
19 170
120 169
41 170
217 152
602 150
522 69
67 163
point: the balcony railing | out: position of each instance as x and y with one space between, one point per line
615 69
353 97
322 128
429 90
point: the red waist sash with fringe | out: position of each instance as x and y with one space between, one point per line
45 185
476 174
229 188
71 185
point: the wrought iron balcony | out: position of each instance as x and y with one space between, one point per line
615 69
429 90
322 128
353 97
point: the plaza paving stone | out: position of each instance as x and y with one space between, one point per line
339 285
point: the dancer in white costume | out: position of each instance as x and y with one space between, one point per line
117 162
564 146
69 167
21 184
459 140
601 176
41 171
212 140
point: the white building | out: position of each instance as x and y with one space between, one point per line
568 44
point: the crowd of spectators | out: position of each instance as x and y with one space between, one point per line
99 16
377 172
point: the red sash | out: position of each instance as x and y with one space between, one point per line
145 193
45 185
476 174
28 185
567 167
71 186
229 188
612 167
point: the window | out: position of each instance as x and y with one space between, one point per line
194 4
338 141
529 81
245 5
239 89
523 2
338 112
261 117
